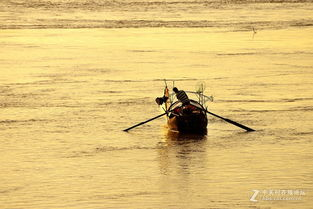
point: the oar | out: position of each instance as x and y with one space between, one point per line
232 122
127 129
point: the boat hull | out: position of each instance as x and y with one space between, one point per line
188 119
188 123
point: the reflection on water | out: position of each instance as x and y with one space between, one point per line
174 137
181 148
181 158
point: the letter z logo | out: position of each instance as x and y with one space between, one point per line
256 192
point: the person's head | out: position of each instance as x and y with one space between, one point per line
175 89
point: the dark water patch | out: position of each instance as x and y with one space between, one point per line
294 109
292 53
266 25
286 134
47 90
296 66
69 77
266 85
220 78
23 95
143 101
15 45
260 111
125 195
266 101
139 23
123 81
302 108
33 105
176 79
271 53
297 99
94 4
100 5
111 92
142 51
110 149
150 80
308 133
99 70
5 89
244 101
273 75
198 66
22 121
106 149
48 82
9 190
177 138
301 24
237 54
149 62
139 103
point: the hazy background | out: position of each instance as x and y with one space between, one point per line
73 74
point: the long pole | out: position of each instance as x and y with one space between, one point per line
139 124
232 122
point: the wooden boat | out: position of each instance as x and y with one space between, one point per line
189 118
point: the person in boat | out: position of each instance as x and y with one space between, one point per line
181 96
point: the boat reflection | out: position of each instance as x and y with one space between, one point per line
182 157
182 151
173 136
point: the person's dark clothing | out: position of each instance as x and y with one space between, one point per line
182 97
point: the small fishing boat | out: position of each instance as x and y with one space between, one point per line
189 118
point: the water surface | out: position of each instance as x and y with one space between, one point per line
74 77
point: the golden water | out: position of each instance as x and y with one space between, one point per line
66 94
